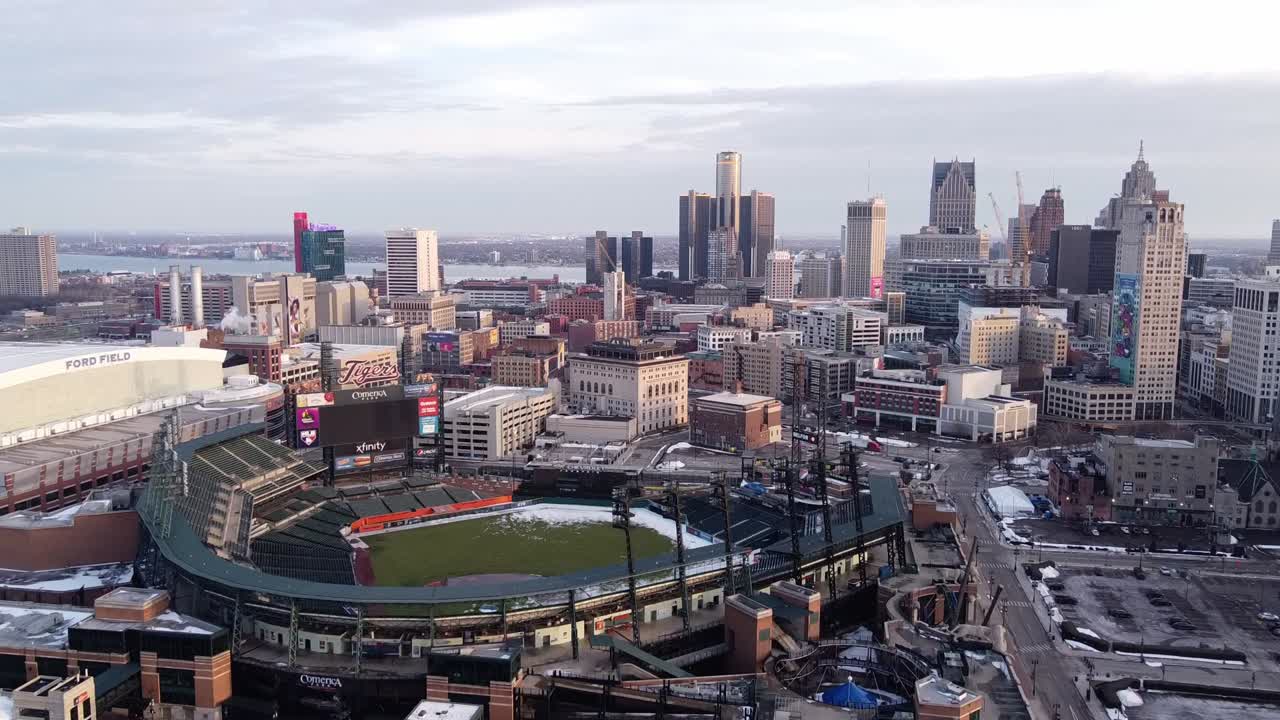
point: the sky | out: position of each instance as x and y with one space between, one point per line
510 116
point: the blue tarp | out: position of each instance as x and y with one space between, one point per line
848 695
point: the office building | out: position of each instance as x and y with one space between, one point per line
1048 215
728 190
759 366
864 246
901 334
522 368
495 422
1169 482
601 253
1043 339
637 257
1273 255
282 305
28 264
781 275
1019 234
820 276
1218 292
694 224
627 378
512 330
716 338
1253 372
499 293
988 336
413 262
342 303
901 398
438 311
895 306
323 252
1097 401
735 422
836 327
953 197
1196 261
1082 259
1150 259
723 259
935 243
1139 185
300 225
755 237
933 288
615 296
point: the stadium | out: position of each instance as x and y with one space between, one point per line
363 594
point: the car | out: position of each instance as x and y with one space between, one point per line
1183 574
1160 602
1146 531
1124 529
1166 571
1138 573
1120 614
1268 616
488 609
1093 532
937 450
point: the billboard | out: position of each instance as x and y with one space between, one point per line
1124 325
370 454
363 373
350 417
877 286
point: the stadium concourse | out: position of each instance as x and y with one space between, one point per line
251 538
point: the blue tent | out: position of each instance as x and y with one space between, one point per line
848 695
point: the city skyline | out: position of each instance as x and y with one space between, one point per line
436 132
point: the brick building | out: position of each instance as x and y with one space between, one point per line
735 421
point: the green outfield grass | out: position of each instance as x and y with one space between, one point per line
501 544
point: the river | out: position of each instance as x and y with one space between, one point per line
219 266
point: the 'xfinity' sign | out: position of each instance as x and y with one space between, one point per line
89 361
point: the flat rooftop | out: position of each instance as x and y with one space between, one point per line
34 625
492 396
88 577
741 399
937 691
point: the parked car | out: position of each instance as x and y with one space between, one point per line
1268 616
1166 571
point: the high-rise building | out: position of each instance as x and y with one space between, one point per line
781 275
601 253
627 378
723 259
934 287
1047 216
936 243
695 224
820 276
413 262
755 237
895 306
1147 303
865 228
1139 186
988 336
836 327
1019 233
1082 259
28 264
637 257
728 189
300 225
1273 257
323 251
615 296
1196 261
953 199
1253 371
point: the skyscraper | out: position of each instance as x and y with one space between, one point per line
637 257
1151 257
953 197
300 225
28 264
1253 378
864 243
781 275
1047 216
1082 259
1273 257
695 222
413 262
820 276
323 252
1138 186
1020 233
601 254
722 254
728 189
615 295
755 239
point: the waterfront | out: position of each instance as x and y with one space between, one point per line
219 266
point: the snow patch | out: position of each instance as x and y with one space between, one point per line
6 707
1090 633
1049 573
554 514
1074 645
1212 661
1129 698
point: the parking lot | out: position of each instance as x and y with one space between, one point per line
1198 610
1167 706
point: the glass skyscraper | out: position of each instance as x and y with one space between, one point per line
323 252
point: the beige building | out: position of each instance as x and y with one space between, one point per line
756 317
1088 401
1162 481
631 379
1043 340
522 368
342 302
864 248
495 422
1153 250
413 262
988 336
780 272
28 264
438 311
933 243
283 305
758 366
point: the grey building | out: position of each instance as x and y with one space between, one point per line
1215 292
696 210
755 239
820 276
953 197
1082 259
1195 264
637 257
1166 482
933 289
601 253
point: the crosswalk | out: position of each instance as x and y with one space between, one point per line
1044 647
991 565
1017 603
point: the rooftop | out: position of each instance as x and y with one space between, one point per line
741 399
491 397
935 690
34 625
434 710
16 355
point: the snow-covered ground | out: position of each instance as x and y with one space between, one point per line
853 437
1049 573
557 514
1212 661
1090 633
1129 698
6 707
1080 646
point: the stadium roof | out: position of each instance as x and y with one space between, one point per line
16 355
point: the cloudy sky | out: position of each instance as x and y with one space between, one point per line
501 115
